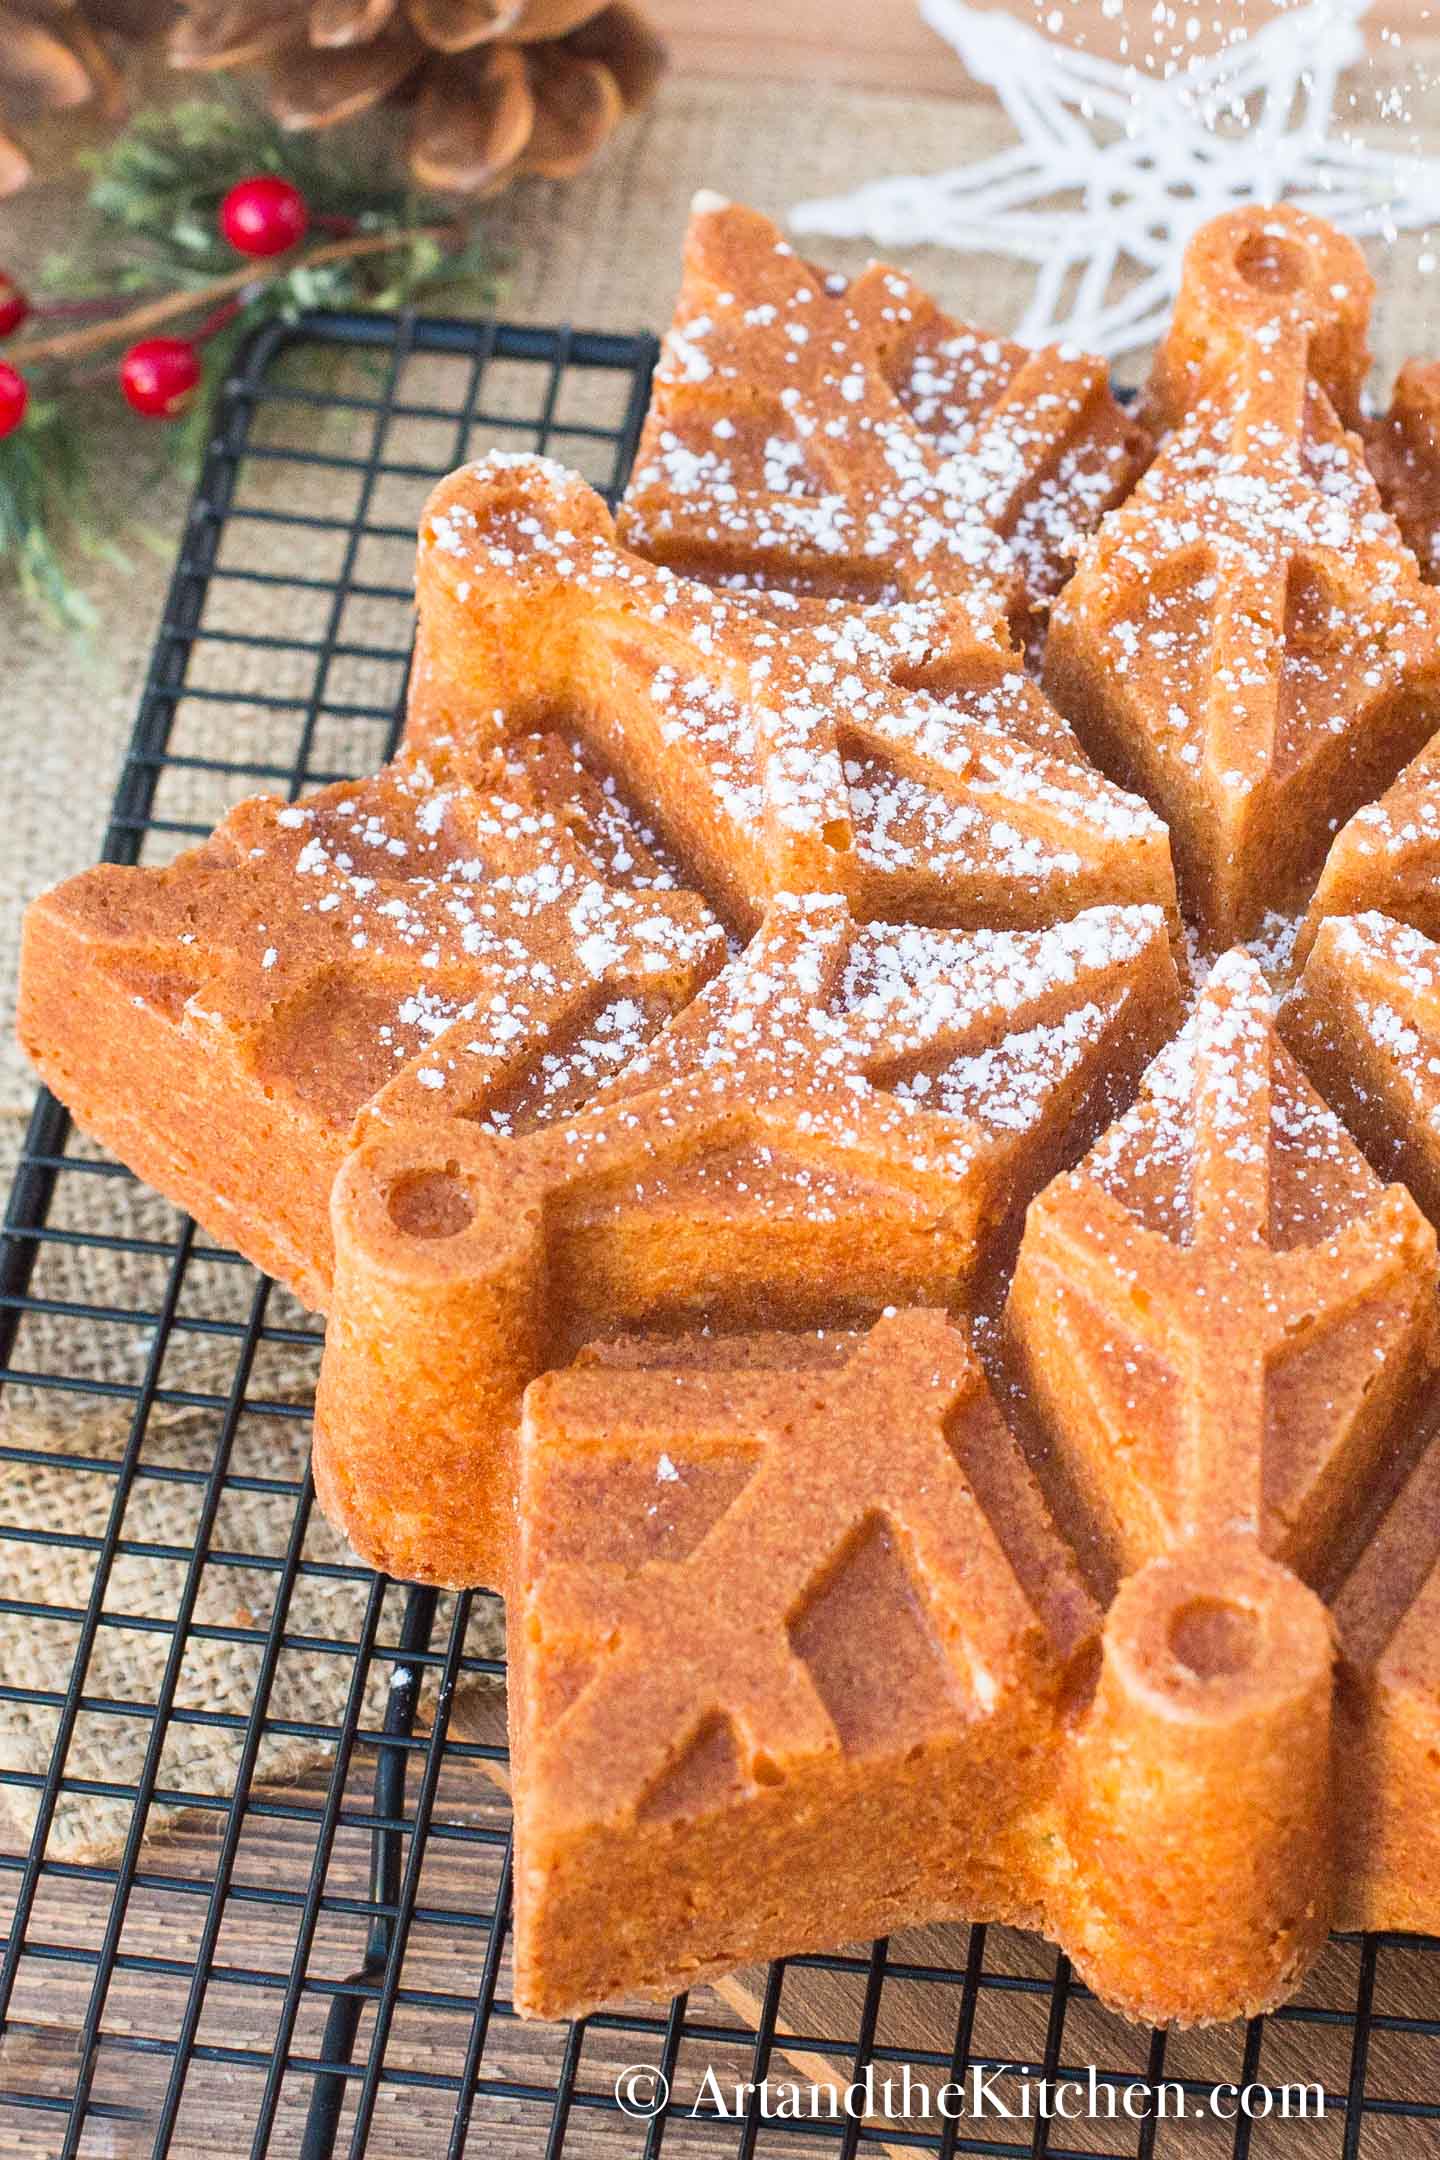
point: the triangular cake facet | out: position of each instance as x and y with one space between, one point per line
1364 1020
1247 639
1221 1312
813 436
1386 860
784 745
1387 1617
798 1605
854 1119
412 944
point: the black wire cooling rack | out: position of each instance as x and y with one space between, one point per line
254 1841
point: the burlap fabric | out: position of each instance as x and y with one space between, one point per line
600 254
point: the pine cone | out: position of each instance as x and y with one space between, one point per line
56 54
496 87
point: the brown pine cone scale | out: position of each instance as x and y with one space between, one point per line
496 87
58 54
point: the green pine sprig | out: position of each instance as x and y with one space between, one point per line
153 230
45 513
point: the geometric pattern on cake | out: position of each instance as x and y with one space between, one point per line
851 1116
1247 640
1386 860
799 1652
781 744
1227 1328
788 1598
1222 1313
1403 447
776 453
391 948
852 440
1037 430
1387 1620
853 1584
1269 250
1364 1020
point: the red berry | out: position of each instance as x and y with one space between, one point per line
14 397
264 215
159 376
14 307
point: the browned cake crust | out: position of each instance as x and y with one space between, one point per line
1221 1313
1386 860
1244 270
1404 452
1226 1325
1247 640
405 946
1387 1740
792 1637
851 1117
800 1654
791 1610
904 1512
1364 1020
1038 430
821 437
783 745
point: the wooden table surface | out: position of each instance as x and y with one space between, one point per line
887 45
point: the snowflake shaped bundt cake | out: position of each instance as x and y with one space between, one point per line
935 1339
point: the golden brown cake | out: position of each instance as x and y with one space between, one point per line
1364 1020
822 437
1386 860
819 480
1403 447
1243 271
1221 1313
1247 640
791 1644
801 1651
1036 431
1387 1716
850 1117
405 946
782 744
910 1504
1224 1324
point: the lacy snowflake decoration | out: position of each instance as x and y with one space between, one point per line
1114 170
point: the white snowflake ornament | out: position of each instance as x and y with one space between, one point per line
1114 169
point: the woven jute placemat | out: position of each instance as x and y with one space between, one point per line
56 1506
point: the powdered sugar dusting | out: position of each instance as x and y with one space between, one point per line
414 939
801 724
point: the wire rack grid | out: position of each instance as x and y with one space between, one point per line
254 1834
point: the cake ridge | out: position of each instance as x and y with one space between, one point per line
785 744
763 1167
1247 635
376 950
957 1426
816 434
1266 1308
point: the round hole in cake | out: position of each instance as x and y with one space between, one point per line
1271 263
1212 1638
431 1203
